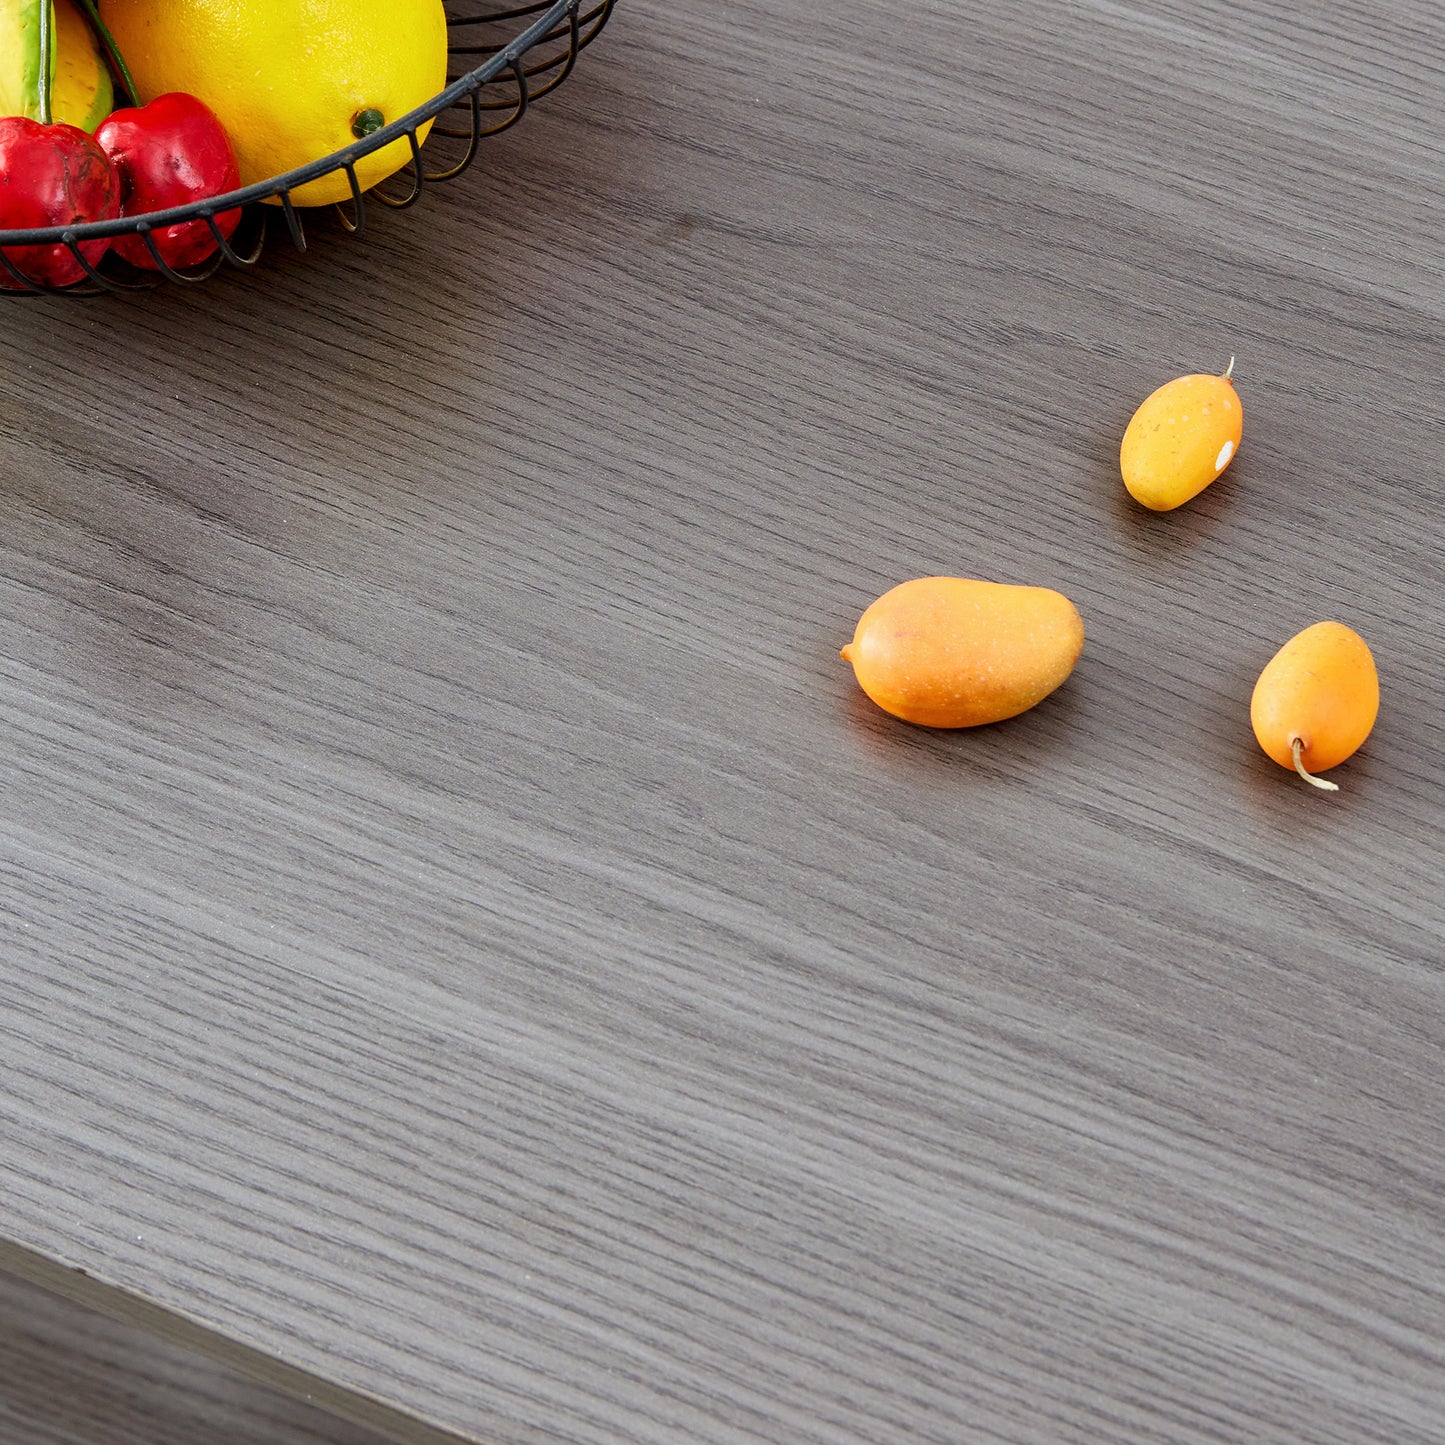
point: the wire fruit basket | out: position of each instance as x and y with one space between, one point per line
507 59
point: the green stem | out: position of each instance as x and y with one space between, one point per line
117 60
43 81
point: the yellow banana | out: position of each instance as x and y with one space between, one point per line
80 87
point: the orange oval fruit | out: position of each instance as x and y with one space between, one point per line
1316 700
952 652
1181 438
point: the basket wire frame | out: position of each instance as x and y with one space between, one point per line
484 100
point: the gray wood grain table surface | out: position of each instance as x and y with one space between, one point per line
71 1376
468 948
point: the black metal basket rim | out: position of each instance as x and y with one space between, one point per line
506 58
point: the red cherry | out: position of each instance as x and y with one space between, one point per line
171 152
52 175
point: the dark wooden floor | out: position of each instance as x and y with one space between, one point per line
463 934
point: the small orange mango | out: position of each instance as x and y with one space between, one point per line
1316 700
951 652
1181 438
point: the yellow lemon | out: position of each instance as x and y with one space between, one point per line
291 80
80 93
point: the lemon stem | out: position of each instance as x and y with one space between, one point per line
1229 370
1296 746
367 122
117 60
44 39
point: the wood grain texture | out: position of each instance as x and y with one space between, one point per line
70 1376
465 936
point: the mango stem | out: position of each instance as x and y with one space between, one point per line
1296 746
1229 370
